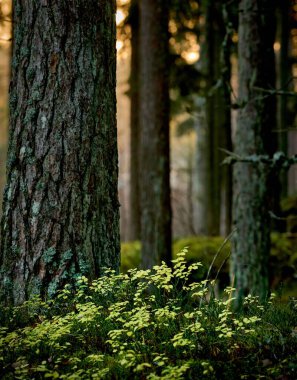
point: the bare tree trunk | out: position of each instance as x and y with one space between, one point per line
224 122
60 213
135 210
256 119
201 187
283 83
154 122
213 128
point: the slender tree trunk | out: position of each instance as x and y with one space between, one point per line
213 41
60 213
154 122
213 127
190 191
208 197
283 83
201 205
253 137
135 210
224 122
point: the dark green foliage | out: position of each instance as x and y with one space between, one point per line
148 325
282 269
289 210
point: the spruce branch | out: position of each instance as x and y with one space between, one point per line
278 161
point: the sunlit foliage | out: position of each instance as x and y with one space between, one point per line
153 324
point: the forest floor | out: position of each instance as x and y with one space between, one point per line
149 325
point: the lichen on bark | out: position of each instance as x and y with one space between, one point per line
60 210
252 193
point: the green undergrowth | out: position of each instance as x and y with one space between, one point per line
144 324
283 259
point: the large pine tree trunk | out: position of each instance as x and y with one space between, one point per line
135 210
60 212
253 137
154 122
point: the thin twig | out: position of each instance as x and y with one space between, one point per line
275 91
273 216
219 251
216 256
283 130
223 263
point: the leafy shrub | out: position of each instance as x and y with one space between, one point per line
130 255
283 262
283 259
148 324
289 211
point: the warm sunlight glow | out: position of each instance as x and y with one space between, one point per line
120 45
5 26
5 8
120 16
172 27
235 38
190 56
277 46
5 37
189 48
123 2
294 71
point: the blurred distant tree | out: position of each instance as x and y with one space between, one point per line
213 122
284 80
60 216
256 119
135 209
182 76
154 124
204 90
5 37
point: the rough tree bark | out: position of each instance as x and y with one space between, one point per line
251 205
154 124
60 213
135 209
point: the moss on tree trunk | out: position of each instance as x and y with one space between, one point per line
60 214
253 137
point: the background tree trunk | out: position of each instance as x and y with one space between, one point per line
283 83
253 137
224 120
60 213
213 127
135 210
154 122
